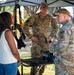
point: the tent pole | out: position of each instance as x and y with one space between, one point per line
46 1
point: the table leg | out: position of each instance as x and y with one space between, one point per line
21 68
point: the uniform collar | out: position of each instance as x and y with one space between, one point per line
66 23
40 15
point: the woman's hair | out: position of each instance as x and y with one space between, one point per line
5 21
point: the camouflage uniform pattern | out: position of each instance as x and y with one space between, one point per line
41 29
64 50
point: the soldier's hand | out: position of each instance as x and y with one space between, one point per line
55 40
34 39
49 38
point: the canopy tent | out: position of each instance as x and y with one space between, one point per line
52 3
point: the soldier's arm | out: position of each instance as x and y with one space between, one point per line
29 22
54 27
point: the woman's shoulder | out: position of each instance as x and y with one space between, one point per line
8 32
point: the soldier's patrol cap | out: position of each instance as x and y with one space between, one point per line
44 5
61 11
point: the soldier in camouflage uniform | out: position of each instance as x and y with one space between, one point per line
40 23
64 48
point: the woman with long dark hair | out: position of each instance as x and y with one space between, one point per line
9 56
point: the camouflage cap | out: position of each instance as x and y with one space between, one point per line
62 11
44 5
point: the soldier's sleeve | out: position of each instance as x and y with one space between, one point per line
29 22
54 27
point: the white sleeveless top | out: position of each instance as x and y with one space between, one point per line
6 56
